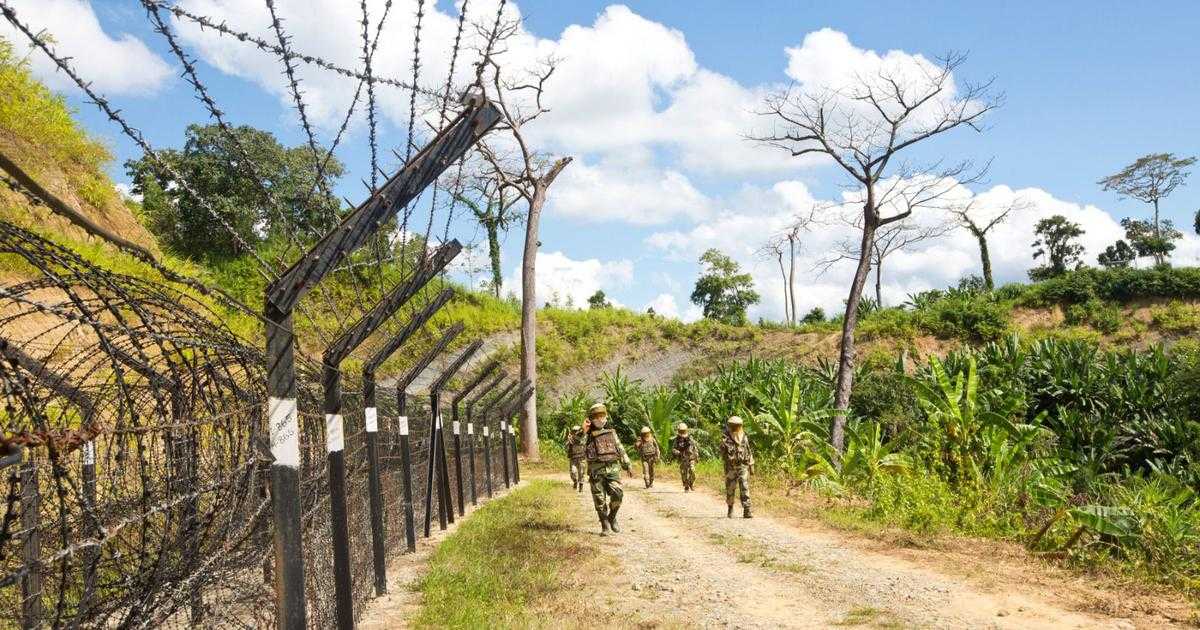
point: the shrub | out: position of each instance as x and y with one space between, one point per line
1100 315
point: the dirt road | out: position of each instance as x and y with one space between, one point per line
686 564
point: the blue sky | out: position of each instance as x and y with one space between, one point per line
654 97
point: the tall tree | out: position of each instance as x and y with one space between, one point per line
1056 245
773 248
527 172
864 126
495 211
979 220
211 162
722 290
1150 179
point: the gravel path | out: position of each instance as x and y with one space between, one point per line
686 564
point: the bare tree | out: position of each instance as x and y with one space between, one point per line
522 170
977 220
773 249
863 127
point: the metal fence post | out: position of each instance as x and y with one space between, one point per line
338 523
374 485
515 462
410 530
31 551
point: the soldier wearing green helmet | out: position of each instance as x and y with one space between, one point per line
606 457
686 452
577 457
739 465
648 452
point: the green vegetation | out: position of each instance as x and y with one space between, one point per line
507 563
1070 448
723 290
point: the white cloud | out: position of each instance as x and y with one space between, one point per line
564 281
933 264
664 305
115 65
631 191
623 83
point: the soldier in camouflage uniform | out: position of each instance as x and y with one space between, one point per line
739 465
577 456
648 451
686 453
606 457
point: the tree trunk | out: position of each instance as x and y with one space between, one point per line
787 315
1158 258
879 283
493 234
985 259
792 276
529 443
845 373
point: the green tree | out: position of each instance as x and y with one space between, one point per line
1150 179
815 316
495 211
722 290
215 167
599 300
1057 246
1196 224
1117 256
1148 240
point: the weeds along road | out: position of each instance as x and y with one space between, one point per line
685 564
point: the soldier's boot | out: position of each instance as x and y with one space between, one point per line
603 525
729 512
746 512
612 519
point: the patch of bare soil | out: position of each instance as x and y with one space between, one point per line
648 363
684 563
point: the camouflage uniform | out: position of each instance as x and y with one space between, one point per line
578 457
649 453
739 461
606 457
686 453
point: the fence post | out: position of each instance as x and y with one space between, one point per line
285 469
458 470
410 530
335 455
374 485
471 457
91 555
515 461
504 449
31 551
487 457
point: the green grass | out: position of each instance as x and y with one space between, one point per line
505 562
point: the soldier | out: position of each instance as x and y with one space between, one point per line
648 451
739 465
577 456
605 457
686 453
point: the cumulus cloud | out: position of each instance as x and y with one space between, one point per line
116 65
565 281
633 192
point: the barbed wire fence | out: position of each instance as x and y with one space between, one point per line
163 469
